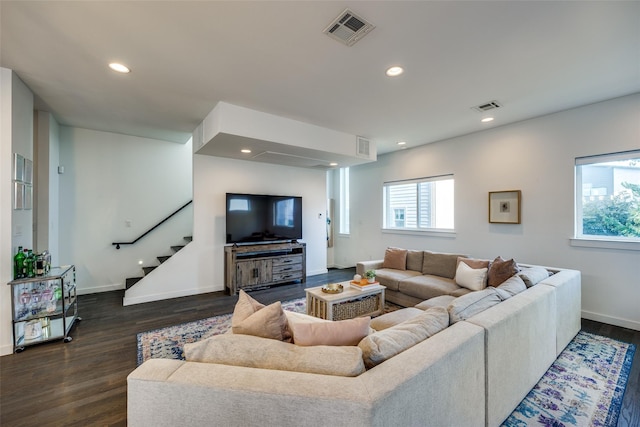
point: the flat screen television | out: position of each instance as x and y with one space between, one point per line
252 218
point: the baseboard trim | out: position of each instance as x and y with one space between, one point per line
341 267
98 289
316 272
168 295
611 320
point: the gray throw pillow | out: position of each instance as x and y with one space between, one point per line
532 275
382 345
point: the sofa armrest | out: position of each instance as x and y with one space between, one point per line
363 266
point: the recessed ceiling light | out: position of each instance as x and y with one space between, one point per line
333 164
394 71
115 66
245 151
487 120
402 143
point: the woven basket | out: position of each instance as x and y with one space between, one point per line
359 307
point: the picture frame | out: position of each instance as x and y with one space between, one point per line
504 207
28 171
18 167
18 196
28 197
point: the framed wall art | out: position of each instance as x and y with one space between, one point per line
504 207
18 196
18 167
28 171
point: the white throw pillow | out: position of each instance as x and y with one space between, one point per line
474 279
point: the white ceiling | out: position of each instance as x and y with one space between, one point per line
534 57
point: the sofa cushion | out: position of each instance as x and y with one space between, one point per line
393 318
426 286
392 278
382 345
252 318
414 260
512 286
474 279
440 264
459 292
441 301
395 258
338 333
500 270
256 352
473 303
532 275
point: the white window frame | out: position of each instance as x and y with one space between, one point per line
389 211
597 241
345 226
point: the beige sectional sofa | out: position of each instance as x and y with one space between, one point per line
473 373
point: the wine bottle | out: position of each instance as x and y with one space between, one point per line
30 261
25 253
18 264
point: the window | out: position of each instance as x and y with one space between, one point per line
608 197
344 201
399 217
420 204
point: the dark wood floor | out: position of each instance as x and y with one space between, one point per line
83 383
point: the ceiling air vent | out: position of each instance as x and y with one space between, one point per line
348 28
362 147
491 105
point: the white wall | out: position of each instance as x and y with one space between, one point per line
16 133
110 179
47 158
215 176
6 211
535 156
22 142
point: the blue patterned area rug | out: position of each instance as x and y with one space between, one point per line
583 387
167 343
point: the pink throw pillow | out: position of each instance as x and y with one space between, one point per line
340 333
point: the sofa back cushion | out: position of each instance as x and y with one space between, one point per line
466 306
511 287
382 345
256 352
440 264
395 258
414 260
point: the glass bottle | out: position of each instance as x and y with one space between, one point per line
30 261
25 252
18 264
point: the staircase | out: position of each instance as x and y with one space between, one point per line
130 281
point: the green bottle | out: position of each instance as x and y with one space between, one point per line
30 262
18 264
